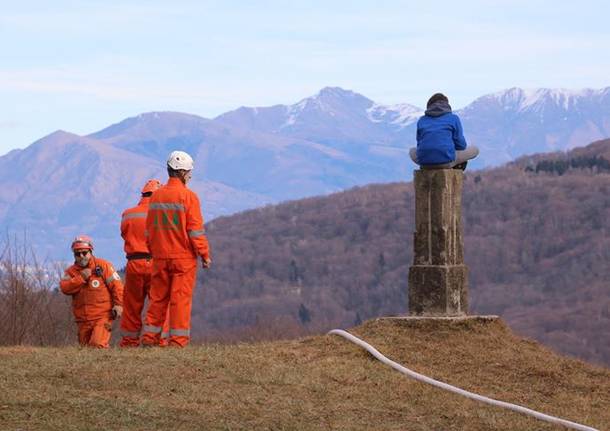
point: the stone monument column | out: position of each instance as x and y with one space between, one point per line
438 279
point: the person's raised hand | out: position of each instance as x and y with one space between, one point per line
86 273
117 312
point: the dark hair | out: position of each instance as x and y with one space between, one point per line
437 97
177 173
173 173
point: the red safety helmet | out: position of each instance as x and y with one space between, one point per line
82 242
151 186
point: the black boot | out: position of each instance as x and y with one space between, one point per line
461 166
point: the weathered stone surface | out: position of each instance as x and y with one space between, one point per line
438 217
437 290
438 279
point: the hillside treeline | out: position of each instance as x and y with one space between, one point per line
536 244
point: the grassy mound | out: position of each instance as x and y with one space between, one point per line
314 383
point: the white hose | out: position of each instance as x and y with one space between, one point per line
456 390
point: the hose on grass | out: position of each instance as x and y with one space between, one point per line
447 387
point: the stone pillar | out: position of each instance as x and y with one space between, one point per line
438 279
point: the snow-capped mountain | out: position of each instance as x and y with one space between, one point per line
538 99
504 125
333 116
65 184
401 115
514 122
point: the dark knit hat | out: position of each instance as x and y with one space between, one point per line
437 98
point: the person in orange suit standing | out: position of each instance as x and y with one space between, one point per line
138 270
97 294
176 237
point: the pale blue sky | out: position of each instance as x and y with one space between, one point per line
81 66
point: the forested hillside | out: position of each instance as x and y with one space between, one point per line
536 243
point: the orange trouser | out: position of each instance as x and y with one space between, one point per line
137 285
173 282
95 333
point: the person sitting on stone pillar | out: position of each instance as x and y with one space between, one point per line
440 138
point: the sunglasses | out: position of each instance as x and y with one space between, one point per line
81 253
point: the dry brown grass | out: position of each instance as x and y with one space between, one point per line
316 383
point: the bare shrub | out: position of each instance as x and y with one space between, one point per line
32 310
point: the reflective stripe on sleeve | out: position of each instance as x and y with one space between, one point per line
195 233
166 206
113 277
180 332
133 215
164 334
66 277
153 329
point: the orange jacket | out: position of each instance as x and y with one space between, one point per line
133 226
92 299
174 224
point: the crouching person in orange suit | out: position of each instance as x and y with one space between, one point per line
97 294
138 270
176 238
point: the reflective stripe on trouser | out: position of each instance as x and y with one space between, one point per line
172 285
164 340
151 329
137 284
95 333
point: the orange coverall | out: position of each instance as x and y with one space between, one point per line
92 300
137 275
176 237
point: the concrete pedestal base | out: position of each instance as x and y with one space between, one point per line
437 290
418 319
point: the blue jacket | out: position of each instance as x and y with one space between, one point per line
439 134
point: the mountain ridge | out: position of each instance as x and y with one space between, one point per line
246 158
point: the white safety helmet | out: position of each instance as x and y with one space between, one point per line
179 160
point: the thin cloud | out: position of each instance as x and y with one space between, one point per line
9 124
88 18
